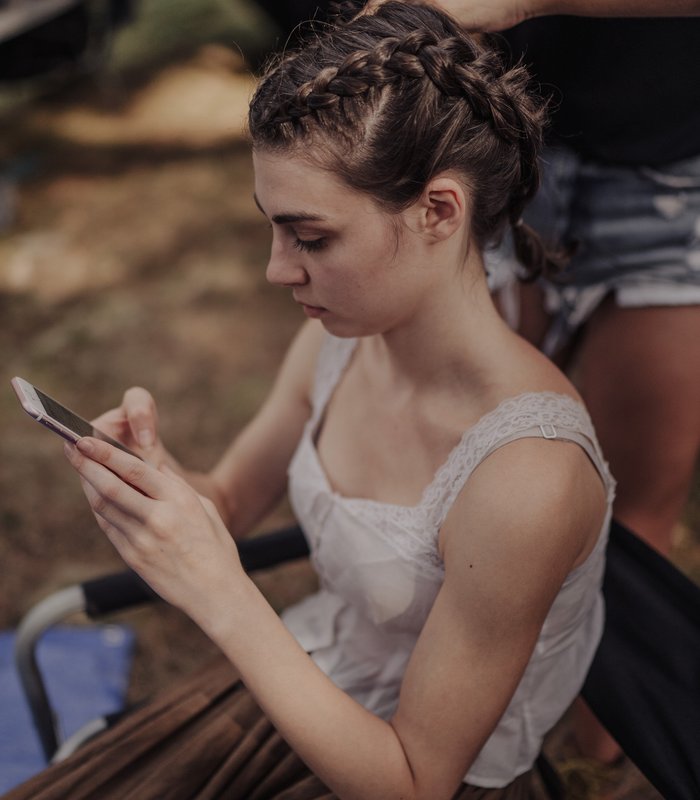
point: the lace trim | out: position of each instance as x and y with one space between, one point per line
510 416
413 530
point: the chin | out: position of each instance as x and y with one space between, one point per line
352 328
343 330
346 328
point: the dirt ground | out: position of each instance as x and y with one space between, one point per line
135 256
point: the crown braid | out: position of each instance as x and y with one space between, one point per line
400 95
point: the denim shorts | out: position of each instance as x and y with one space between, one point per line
636 231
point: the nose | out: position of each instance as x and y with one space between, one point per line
285 268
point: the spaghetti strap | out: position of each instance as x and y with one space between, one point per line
545 415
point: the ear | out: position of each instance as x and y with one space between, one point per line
442 208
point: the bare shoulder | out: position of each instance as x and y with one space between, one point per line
530 512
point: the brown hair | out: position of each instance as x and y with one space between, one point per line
390 99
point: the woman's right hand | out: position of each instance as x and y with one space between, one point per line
135 424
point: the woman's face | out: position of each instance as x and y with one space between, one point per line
346 261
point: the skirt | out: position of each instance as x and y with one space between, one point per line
203 739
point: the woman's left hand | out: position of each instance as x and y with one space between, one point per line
172 536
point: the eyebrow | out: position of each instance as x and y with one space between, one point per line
286 219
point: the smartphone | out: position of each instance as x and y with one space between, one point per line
58 418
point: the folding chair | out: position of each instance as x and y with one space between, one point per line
644 683
102 596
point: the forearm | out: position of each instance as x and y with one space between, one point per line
499 15
617 8
250 478
248 488
240 507
245 485
354 752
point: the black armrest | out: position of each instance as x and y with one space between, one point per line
122 590
271 549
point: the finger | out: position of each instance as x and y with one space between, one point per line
117 474
370 7
119 540
169 472
130 468
208 504
114 422
110 517
140 409
113 491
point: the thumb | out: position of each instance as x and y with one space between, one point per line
140 410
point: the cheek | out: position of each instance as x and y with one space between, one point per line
363 268
378 255
385 242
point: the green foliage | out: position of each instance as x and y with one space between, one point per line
164 29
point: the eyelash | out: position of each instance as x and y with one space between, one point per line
307 245
310 245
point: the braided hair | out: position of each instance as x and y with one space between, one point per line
390 99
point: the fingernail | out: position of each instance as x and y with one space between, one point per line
146 438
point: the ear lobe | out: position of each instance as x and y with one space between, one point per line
445 208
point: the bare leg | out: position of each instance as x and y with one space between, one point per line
638 370
639 373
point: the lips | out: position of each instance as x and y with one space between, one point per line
310 310
313 311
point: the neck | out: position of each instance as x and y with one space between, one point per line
455 335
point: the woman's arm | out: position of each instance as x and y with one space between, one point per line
526 516
498 15
618 8
251 477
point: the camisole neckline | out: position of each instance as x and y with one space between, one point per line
317 419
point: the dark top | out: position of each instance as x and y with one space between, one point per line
624 90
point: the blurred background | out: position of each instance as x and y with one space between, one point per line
131 253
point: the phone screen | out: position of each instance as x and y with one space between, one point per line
64 416
58 418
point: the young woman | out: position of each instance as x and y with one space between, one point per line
445 473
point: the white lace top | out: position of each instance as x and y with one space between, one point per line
380 572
